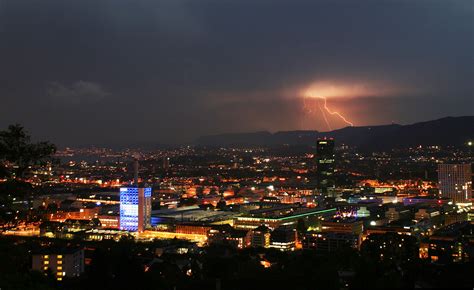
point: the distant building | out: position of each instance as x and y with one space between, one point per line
453 217
454 243
328 242
61 262
325 164
99 198
455 182
426 200
283 238
75 213
109 221
470 216
426 213
226 234
273 218
260 237
349 225
239 238
69 229
79 225
363 212
166 163
192 229
135 208
396 213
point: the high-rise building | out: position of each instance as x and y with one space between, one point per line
455 182
325 164
135 205
135 208
166 163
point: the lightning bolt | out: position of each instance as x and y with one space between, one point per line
306 107
324 111
334 112
324 116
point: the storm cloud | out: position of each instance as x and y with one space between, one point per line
116 71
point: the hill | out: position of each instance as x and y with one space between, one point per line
452 131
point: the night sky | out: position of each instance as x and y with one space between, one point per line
108 72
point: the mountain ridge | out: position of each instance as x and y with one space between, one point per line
454 131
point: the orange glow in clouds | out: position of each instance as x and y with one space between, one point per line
318 95
325 110
322 90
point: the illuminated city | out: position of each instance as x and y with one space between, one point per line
236 145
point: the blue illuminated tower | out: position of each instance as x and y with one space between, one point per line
135 206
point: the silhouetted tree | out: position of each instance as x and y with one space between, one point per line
221 204
16 148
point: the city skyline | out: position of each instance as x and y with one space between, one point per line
76 72
342 215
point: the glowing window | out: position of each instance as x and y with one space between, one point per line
60 256
46 262
60 262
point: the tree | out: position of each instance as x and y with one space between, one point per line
221 204
17 149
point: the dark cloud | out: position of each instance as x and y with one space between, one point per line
170 70
78 93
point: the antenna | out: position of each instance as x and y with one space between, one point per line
135 169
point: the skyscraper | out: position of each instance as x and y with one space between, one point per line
135 205
455 181
135 208
166 163
325 164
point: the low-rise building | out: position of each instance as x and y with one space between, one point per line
275 218
328 242
283 238
260 237
68 262
426 213
454 243
343 225
396 213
